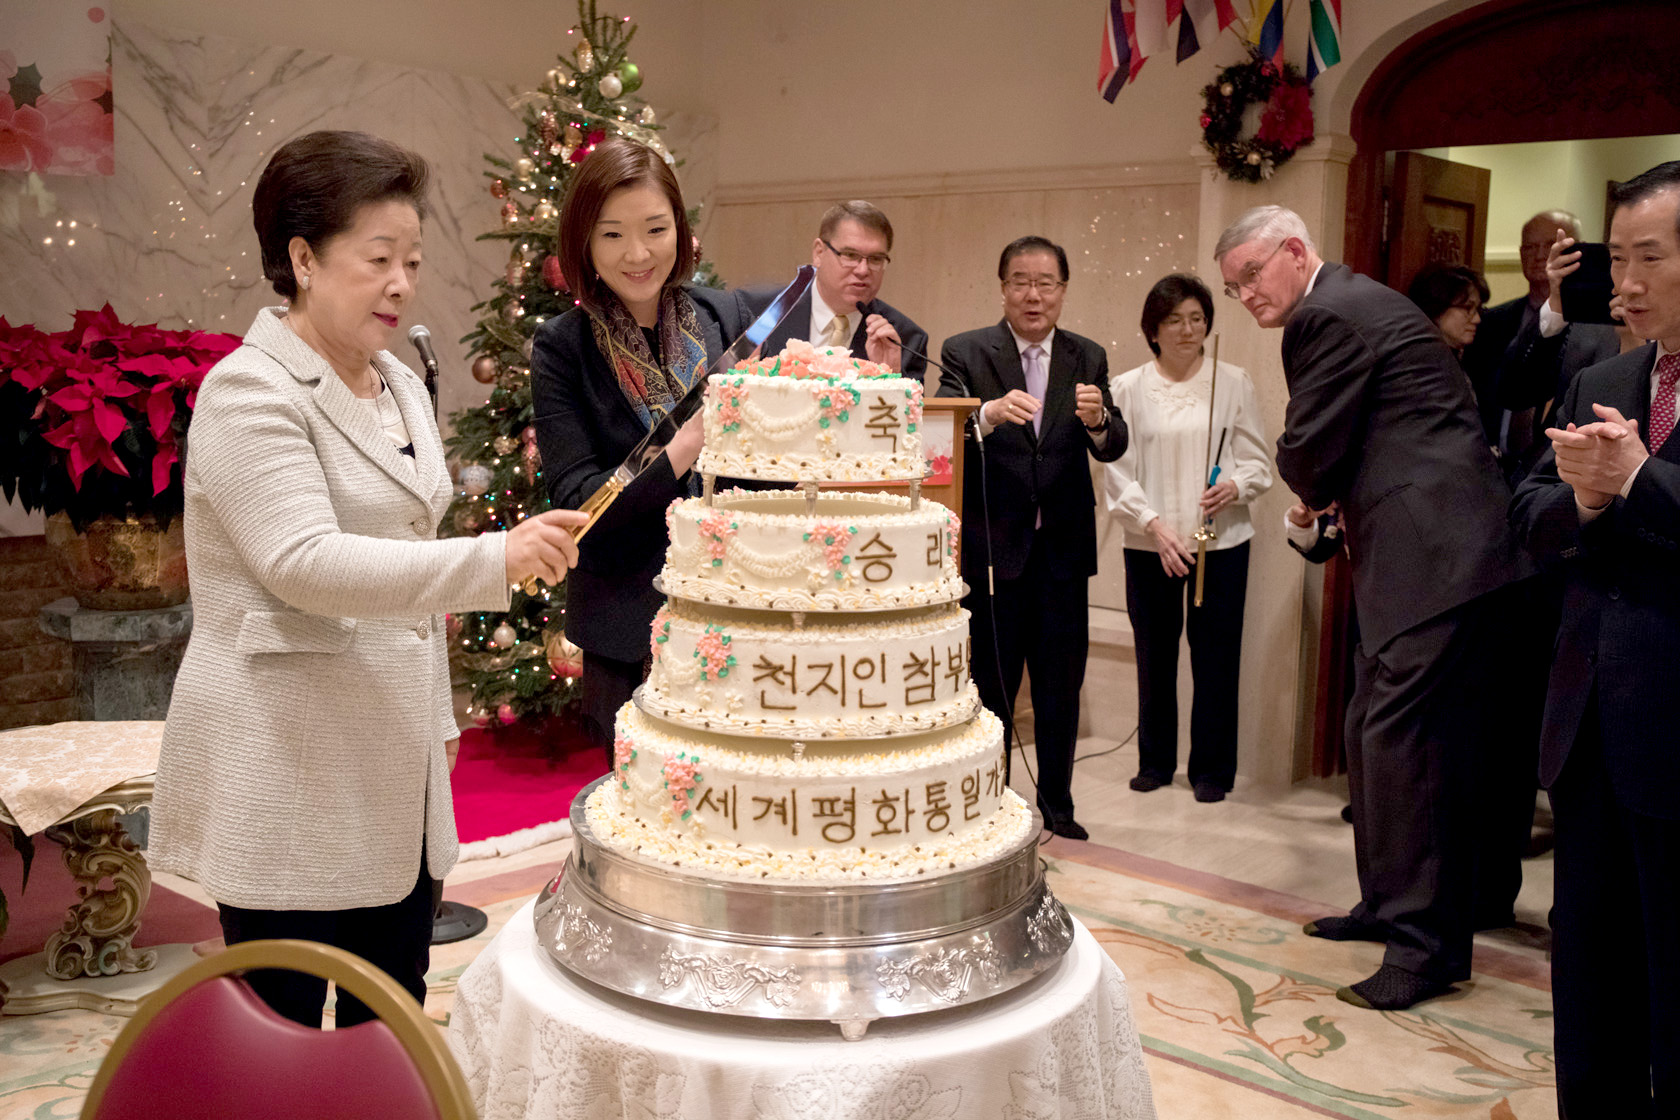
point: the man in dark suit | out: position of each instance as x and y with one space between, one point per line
1496 346
850 255
1029 513
1602 507
1381 420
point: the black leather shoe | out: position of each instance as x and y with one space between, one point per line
1070 828
1346 928
1145 782
1207 791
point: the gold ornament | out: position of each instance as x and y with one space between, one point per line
484 369
556 78
585 55
573 135
548 127
516 272
1226 89
647 116
1252 159
545 212
512 312
524 168
504 445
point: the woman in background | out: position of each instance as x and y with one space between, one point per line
304 775
1453 296
601 375
1159 490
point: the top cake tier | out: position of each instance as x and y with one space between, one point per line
810 415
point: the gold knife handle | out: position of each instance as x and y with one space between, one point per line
595 505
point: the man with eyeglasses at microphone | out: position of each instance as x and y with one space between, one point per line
1029 512
850 254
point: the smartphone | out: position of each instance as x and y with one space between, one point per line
1586 292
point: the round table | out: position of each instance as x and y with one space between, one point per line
536 1041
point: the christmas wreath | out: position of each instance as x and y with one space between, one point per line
1285 124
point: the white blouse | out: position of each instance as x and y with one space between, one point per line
389 417
1164 470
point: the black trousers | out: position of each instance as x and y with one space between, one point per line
607 686
396 937
1615 945
1415 735
1038 620
1157 604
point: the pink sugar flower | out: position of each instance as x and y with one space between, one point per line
833 539
661 631
681 776
712 650
715 533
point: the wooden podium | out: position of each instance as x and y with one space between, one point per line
943 419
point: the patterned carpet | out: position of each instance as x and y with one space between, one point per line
1236 1007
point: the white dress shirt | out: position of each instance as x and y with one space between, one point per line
822 315
1164 470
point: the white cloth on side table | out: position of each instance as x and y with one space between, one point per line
535 1041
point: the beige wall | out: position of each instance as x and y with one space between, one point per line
972 121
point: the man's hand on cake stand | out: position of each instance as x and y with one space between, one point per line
883 346
1015 407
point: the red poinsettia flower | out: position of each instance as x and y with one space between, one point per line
1288 119
593 138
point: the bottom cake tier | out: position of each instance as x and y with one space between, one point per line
787 811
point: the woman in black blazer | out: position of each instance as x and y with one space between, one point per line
601 375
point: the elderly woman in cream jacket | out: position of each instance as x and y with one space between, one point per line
304 778
1159 491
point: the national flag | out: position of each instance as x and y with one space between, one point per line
1114 64
1269 33
1324 44
1149 34
1198 22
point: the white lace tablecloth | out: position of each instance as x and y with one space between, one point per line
48 770
534 1041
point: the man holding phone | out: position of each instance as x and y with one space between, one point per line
1602 508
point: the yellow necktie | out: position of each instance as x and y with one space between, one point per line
839 332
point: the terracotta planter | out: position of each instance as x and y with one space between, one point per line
121 564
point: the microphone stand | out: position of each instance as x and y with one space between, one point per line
451 921
991 580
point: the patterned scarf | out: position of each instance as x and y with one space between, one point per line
653 388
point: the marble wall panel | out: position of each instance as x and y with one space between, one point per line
168 238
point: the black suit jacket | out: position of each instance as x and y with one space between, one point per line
1487 356
1381 418
798 325
586 426
1030 474
1621 600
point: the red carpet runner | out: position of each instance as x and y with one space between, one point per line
505 780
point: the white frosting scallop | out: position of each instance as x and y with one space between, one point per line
852 429
848 676
855 552
802 800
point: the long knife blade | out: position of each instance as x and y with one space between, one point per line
652 445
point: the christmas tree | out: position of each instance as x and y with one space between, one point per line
519 663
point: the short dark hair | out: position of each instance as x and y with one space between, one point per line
613 165
1163 299
1031 244
865 214
1438 286
1662 177
314 185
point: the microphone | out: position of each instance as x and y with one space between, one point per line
422 339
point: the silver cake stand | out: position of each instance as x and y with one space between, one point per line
850 953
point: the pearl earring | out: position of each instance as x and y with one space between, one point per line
304 283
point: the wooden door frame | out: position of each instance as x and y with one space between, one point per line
1487 75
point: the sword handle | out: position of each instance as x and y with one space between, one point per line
1201 565
595 505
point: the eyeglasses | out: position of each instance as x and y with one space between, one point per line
1250 276
851 258
1041 284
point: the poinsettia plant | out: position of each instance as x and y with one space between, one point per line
93 420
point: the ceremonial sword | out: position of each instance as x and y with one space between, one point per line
1206 532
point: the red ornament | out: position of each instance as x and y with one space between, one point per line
510 213
498 189
552 275
589 142
505 713
1205 120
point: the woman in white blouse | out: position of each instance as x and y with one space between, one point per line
1159 490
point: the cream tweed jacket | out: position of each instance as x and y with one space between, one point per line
303 756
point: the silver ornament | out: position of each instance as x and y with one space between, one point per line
610 86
